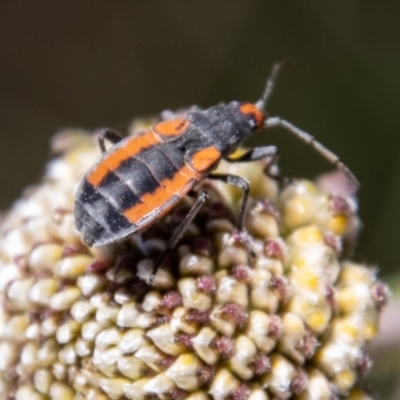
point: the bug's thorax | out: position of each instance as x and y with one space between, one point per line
226 126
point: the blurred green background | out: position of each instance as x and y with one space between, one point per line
101 63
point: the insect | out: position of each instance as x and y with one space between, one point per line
143 176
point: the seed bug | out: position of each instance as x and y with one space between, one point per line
143 176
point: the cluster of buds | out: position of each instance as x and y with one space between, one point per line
83 323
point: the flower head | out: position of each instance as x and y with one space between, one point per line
79 322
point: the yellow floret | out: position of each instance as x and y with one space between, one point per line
344 380
338 224
310 235
297 211
317 321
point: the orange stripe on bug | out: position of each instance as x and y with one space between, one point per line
177 186
96 176
116 158
137 212
141 142
202 160
113 160
173 127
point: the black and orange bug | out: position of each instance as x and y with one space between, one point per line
141 177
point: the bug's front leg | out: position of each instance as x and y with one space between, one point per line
110 135
269 153
243 184
258 153
319 147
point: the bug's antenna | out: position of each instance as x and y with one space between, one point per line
269 87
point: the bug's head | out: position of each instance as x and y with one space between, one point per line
254 115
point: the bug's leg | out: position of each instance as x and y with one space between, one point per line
110 135
258 153
306 137
243 184
271 153
201 198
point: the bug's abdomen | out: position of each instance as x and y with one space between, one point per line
137 181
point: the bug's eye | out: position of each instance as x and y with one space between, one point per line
255 116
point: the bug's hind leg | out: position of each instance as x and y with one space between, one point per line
243 184
110 135
201 198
